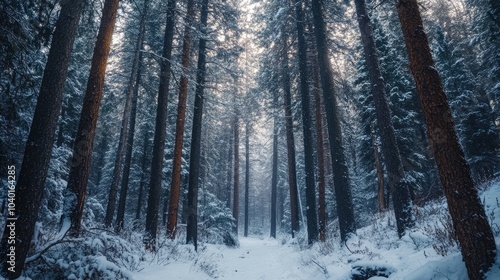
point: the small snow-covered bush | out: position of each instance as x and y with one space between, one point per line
94 256
217 222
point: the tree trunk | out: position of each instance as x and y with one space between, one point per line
397 184
194 159
124 130
469 219
142 183
247 175
229 168
236 170
290 141
312 219
380 172
30 185
173 206
345 207
320 155
274 178
160 131
130 144
84 140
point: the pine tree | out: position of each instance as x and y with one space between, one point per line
390 150
160 130
340 171
467 213
84 140
40 141
312 219
194 164
173 205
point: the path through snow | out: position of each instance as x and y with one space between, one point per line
255 259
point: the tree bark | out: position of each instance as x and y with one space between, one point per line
160 131
469 219
128 156
194 159
312 219
173 205
380 172
320 155
84 140
274 178
142 183
38 150
290 140
345 207
397 184
247 176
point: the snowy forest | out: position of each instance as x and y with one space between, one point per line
271 139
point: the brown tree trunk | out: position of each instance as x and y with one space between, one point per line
160 131
469 219
290 141
194 159
236 169
380 172
84 140
390 150
312 219
343 194
175 187
31 178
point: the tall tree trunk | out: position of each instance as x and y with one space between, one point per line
194 159
142 183
469 219
124 130
320 155
380 172
290 140
397 184
175 187
130 144
345 207
247 175
30 185
236 169
312 219
84 140
274 178
160 131
229 168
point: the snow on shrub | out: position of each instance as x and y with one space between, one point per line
94 256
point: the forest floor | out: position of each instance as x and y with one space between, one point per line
255 258
426 252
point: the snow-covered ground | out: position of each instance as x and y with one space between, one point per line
426 252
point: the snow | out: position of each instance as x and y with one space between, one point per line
375 247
